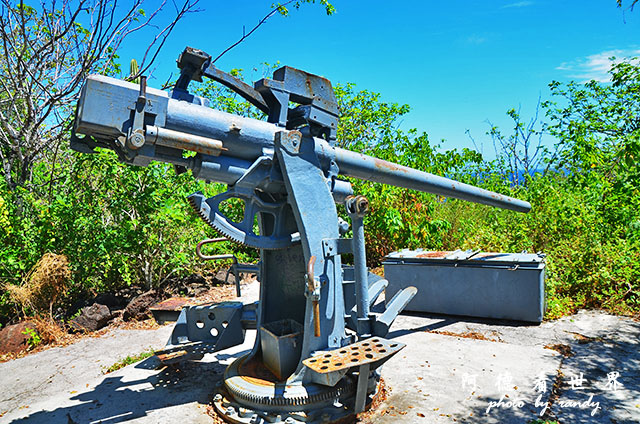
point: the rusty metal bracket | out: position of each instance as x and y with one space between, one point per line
289 140
369 351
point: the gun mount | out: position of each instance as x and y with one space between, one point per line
318 348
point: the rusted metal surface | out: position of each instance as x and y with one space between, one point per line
170 357
173 304
364 352
434 254
184 141
384 165
311 286
254 371
468 256
223 400
169 310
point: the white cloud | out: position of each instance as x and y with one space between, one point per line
596 66
476 39
517 4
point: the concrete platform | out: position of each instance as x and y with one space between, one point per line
454 377
452 370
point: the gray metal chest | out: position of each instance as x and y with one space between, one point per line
479 284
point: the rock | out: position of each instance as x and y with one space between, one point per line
138 308
112 301
75 307
221 275
13 339
244 277
194 280
91 318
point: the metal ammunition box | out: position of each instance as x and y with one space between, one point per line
472 283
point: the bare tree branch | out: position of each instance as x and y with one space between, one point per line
273 11
46 52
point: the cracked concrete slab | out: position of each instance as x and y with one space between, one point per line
598 343
453 369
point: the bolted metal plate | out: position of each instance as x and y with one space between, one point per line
363 352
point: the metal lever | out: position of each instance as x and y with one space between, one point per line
313 290
136 139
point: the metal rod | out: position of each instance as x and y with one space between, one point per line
357 207
183 141
311 285
212 257
369 168
361 391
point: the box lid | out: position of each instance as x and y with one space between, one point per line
471 257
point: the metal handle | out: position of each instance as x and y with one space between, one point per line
213 257
316 318
311 287
233 268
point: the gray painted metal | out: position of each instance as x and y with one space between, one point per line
281 343
365 167
489 285
317 219
246 139
361 391
206 329
286 172
397 303
357 207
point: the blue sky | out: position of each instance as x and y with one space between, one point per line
457 63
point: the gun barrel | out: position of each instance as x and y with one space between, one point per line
229 144
369 168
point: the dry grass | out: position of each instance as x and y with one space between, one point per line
50 332
468 335
44 284
563 349
53 334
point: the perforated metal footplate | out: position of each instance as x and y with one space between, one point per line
369 351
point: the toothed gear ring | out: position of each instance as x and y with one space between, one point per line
243 232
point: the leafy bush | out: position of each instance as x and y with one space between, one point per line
121 225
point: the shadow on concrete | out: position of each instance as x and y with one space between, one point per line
442 321
593 365
118 399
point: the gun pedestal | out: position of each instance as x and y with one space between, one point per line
318 348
